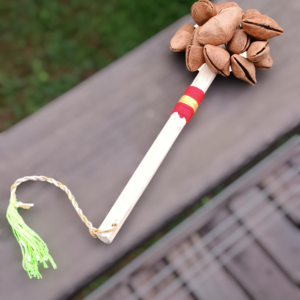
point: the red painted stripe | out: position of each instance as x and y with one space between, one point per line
194 93
184 111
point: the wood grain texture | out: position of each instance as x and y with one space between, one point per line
238 246
281 240
213 282
252 267
93 137
261 277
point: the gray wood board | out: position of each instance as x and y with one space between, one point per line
251 267
290 205
212 257
260 276
93 137
281 240
213 282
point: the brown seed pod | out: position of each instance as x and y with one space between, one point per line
243 69
261 27
217 59
202 11
220 6
258 51
239 43
264 64
182 38
220 29
194 57
250 12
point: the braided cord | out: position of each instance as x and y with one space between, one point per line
93 231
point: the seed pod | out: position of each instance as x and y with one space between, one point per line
182 37
217 59
194 57
220 6
258 51
239 43
264 64
250 12
194 53
261 27
220 29
243 69
202 11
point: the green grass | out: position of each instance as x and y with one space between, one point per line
47 47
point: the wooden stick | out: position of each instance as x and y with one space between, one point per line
156 154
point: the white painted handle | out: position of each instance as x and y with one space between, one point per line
149 165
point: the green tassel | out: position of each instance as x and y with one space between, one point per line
33 248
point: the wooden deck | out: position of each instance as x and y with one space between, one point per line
93 137
243 245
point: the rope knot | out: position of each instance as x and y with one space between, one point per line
92 232
95 232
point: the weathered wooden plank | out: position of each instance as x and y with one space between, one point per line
217 282
120 292
281 160
181 259
289 204
201 272
165 282
93 137
251 267
273 231
180 295
147 285
223 233
261 277
141 278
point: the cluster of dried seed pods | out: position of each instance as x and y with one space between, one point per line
225 24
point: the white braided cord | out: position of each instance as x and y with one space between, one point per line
93 231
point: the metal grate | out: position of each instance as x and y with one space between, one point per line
244 244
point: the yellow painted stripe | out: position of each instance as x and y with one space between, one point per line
189 101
